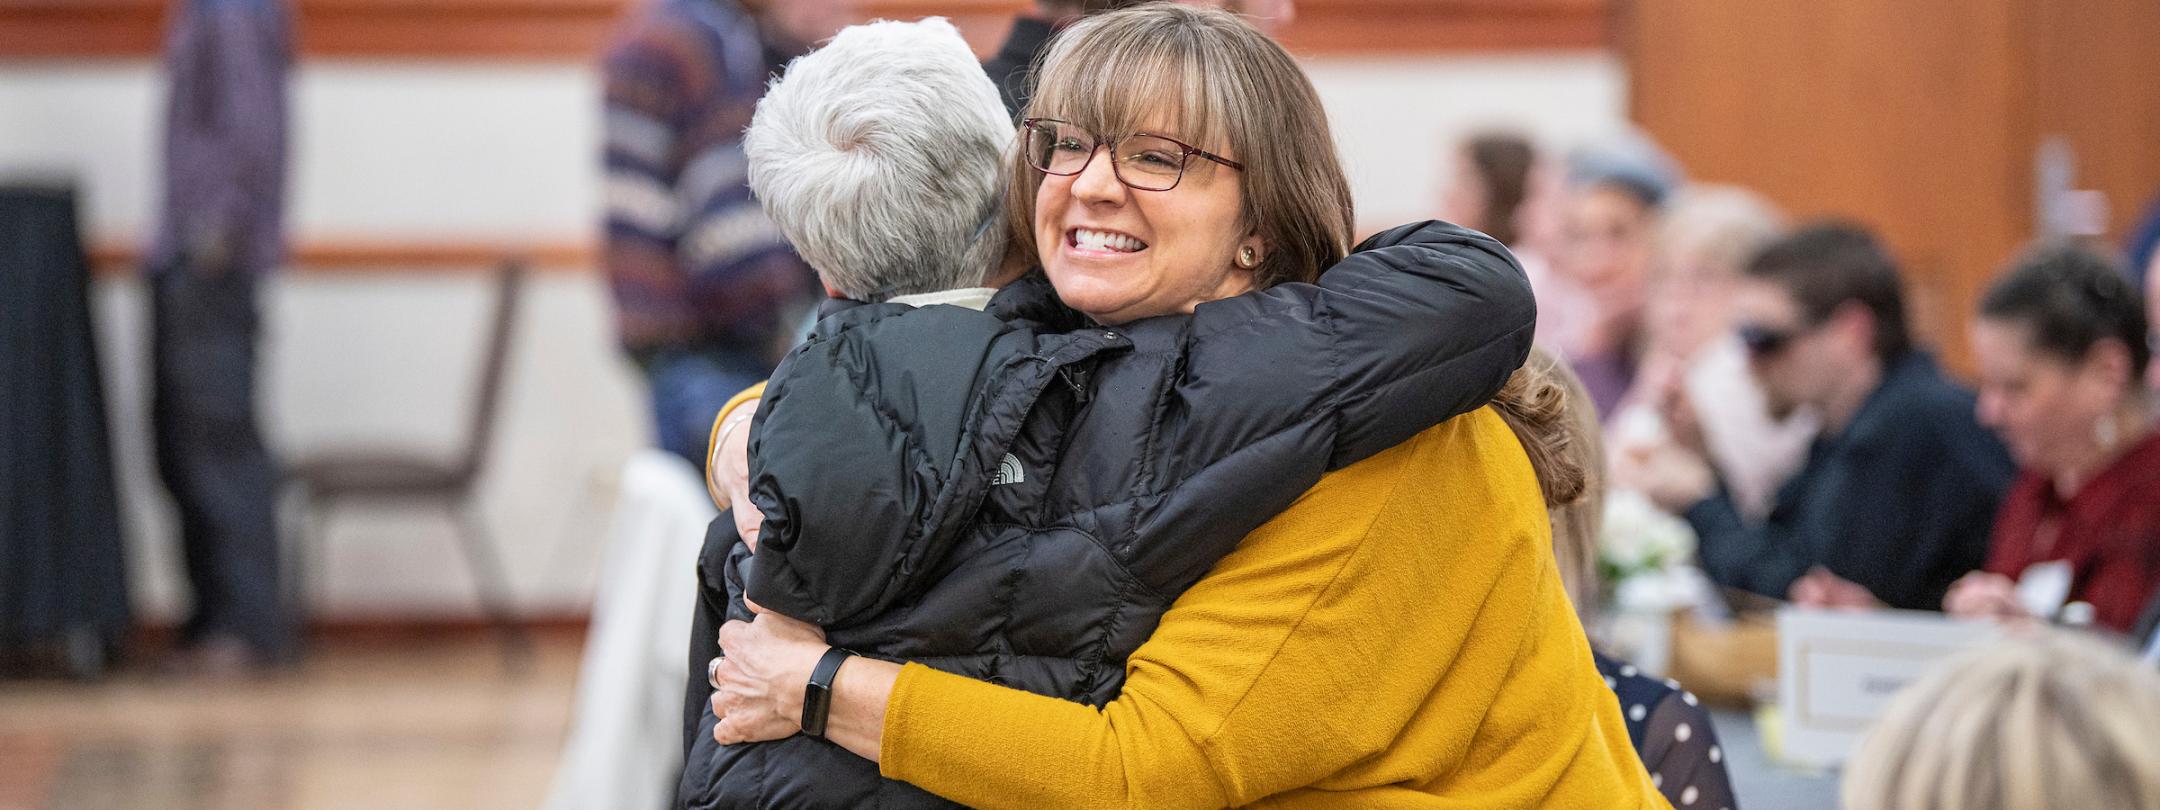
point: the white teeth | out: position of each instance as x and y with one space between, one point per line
1101 240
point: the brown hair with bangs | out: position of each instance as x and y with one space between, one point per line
1220 85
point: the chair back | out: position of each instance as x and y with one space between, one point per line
494 360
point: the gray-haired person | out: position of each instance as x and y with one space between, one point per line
879 156
906 452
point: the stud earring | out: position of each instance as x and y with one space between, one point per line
1247 257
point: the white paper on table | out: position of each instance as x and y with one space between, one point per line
2044 587
1837 671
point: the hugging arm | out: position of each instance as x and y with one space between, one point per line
1420 323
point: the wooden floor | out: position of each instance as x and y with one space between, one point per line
363 724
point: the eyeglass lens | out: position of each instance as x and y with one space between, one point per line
1144 162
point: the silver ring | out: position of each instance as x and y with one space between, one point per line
712 674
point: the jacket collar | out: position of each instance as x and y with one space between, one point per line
975 298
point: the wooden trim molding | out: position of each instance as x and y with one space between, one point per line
1425 27
458 29
575 30
361 256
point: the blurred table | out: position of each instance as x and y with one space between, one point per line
1761 784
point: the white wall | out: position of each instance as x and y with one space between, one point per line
447 152
1396 119
390 150
384 152
387 362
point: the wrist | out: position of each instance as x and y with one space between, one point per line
817 702
795 678
734 421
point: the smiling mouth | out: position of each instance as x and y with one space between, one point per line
1103 241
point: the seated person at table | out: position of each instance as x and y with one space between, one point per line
2061 344
1900 487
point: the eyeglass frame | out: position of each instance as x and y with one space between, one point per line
1187 153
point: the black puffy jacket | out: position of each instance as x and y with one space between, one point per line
1015 496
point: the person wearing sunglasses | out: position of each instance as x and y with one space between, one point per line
1191 238
1896 496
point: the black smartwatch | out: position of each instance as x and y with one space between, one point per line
817 695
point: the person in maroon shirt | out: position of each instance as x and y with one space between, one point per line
2061 342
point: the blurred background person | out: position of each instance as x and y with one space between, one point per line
1670 729
1695 398
1011 68
1608 213
2152 317
1897 492
2041 721
219 235
1489 180
707 293
2061 346
2145 267
1498 183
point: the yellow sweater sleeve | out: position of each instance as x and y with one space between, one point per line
712 488
1397 638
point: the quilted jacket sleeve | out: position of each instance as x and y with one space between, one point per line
864 455
1419 324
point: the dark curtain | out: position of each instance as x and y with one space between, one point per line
63 580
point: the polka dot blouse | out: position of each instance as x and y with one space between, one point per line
1672 734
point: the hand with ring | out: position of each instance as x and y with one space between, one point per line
758 681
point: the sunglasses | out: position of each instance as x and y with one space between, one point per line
1763 341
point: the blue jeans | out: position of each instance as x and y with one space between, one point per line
211 456
688 388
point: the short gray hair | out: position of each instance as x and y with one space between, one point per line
878 156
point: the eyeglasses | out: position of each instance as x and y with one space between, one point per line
1142 161
1763 341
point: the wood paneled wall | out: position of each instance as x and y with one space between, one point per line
575 29
2096 83
1919 118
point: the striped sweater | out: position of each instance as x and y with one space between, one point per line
692 260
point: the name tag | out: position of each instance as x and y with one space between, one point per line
1838 671
2044 587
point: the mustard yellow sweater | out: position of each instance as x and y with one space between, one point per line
1397 639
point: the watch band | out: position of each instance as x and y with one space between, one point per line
817 695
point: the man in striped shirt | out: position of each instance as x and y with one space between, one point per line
707 293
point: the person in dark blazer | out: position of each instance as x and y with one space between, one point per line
1898 492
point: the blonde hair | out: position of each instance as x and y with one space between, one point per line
1725 225
2049 720
1217 83
1546 406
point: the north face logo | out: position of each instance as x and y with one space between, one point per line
1009 472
